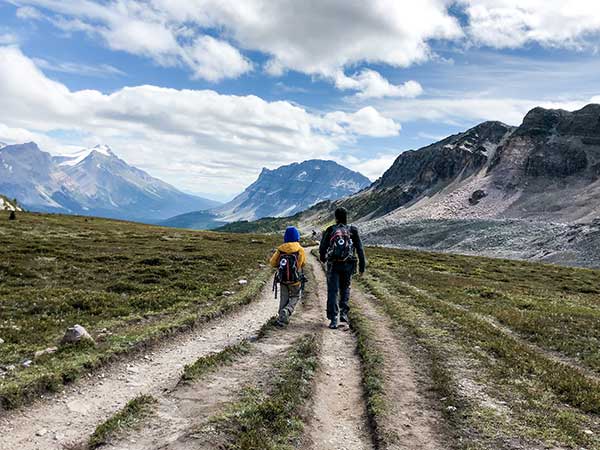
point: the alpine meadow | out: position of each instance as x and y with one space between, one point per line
330 225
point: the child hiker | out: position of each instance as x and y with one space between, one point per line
289 260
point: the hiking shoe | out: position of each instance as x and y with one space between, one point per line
344 318
285 317
334 324
280 324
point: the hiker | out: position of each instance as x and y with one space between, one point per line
289 260
339 247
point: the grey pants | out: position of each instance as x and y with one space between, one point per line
289 296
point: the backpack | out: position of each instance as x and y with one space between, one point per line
288 271
341 247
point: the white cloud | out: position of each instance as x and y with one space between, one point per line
99 70
8 39
372 167
371 84
28 13
471 108
514 23
214 59
194 138
313 37
366 121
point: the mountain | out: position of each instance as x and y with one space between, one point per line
293 188
531 191
92 182
548 168
8 205
279 193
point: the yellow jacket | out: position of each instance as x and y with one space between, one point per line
289 247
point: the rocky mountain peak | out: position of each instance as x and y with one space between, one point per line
293 188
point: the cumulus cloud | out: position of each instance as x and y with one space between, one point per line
193 137
471 108
214 59
371 84
313 37
514 23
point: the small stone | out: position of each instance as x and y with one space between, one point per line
588 432
47 351
76 334
132 369
228 293
243 282
451 408
41 432
1 341
27 363
10 367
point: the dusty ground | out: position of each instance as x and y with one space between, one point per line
72 415
336 419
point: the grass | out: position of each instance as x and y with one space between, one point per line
372 374
127 418
273 420
128 284
227 356
504 388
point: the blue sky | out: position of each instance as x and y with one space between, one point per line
204 93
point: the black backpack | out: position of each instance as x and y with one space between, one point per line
341 247
288 271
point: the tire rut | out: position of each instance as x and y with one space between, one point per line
339 414
72 415
184 412
410 420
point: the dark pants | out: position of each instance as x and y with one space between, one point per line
339 278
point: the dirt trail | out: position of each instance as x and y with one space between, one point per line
183 413
339 416
73 415
410 422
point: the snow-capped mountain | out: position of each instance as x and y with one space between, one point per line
293 188
91 182
282 192
8 205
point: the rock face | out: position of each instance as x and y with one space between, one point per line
92 182
548 168
291 189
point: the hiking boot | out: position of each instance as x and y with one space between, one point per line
285 316
334 324
344 318
279 324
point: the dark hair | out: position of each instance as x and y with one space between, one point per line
341 216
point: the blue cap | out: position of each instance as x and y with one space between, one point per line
291 235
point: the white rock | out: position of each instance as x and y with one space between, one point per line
47 351
243 282
27 363
41 432
1 341
76 334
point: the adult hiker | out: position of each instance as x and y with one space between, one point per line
289 260
340 246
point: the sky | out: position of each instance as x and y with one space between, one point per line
205 93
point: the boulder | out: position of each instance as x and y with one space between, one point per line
76 334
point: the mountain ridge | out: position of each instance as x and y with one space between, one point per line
280 192
93 181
